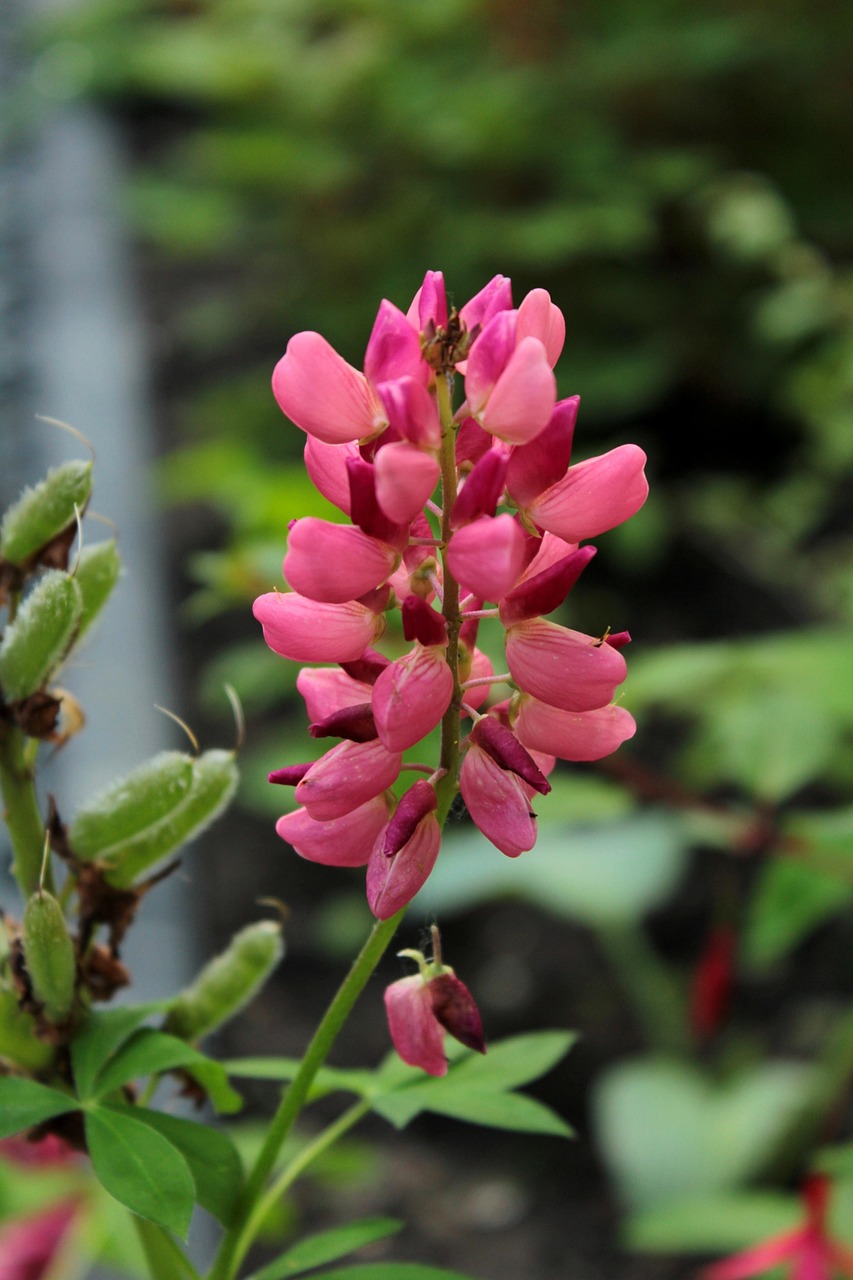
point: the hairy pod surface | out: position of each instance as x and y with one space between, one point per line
97 573
132 807
49 955
228 983
214 781
36 642
45 511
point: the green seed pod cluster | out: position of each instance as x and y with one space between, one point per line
36 642
44 512
96 574
49 955
228 983
150 813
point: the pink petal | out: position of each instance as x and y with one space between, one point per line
542 592
472 442
572 735
335 562
429 305
489 357
522 401
309 631
493 297
322 394
29 1245
482 489
564 668
341 842
326 464
593 496
416 1033
550 551
405 478
755 1261
538 317
347 776
418 801
411 696
411 411
497 803
394 347
534 467
327 690
487 557
393 882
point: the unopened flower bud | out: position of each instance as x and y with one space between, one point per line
45 512
36 642
421 1008
97 573
227 983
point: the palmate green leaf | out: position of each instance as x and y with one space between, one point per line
495 1109
164 1257
724 1222
146 1053
26 1102
141 1168
514 1062
213 1159
327 1246
100 1036
327 1080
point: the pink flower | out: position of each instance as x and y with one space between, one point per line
335 563
593 496
510 386
340 842
311 631
411 696
809 1249
487 556
393 880
405 477
421 1009
322 394
572 735
29 1245
564 668
345 778
498 803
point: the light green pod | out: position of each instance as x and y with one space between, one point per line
42 513
49 955
37 641
133 807
214 781
228 982
96 574
19 1043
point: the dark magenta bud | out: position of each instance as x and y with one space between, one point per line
368 668
290 775
354 723
376 600
420 622
534 467
505 749
481 492
418 801
543 592
618 639
454 1007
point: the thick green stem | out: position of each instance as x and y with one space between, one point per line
26 827
237 1241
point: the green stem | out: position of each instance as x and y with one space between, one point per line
449 784
239 1238
25 823
300 1162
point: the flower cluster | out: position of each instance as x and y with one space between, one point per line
456 515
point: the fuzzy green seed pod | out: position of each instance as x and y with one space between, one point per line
214 781
49 955
228 982
133 807
97 573
43 513
37 641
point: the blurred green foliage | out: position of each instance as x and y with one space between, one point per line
675 176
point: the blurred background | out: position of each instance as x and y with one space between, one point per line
228 172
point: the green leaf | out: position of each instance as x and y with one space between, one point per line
723 1222
164 1257
99 1037
513 1062
146 1053
836 1160
327 1080
496 1109
327 1246
212 1157
213 1078
26 1102
141 1168
666 1132
792 898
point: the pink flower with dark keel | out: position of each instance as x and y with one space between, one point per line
423 1008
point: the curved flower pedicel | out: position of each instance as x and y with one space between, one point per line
465 509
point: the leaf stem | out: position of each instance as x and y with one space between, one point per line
238 1239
